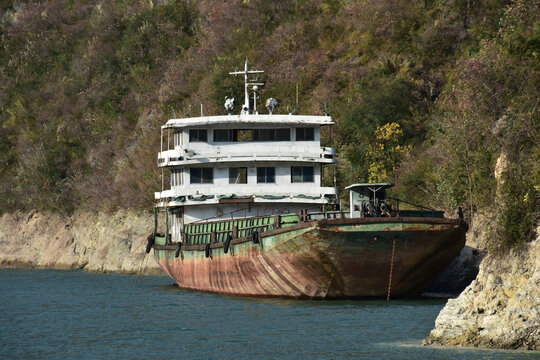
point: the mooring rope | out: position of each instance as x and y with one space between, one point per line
391 270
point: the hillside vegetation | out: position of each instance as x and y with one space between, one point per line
426 94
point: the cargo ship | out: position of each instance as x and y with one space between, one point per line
247 213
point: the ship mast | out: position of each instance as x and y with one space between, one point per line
246 108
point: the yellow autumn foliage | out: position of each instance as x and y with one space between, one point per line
386 152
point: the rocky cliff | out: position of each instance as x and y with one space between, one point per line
500 308
91 241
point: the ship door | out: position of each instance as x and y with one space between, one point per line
177 224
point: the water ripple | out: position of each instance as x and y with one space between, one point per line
70 314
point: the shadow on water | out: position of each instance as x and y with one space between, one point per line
278 301
367 302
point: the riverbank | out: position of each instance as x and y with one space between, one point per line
95 242
500 308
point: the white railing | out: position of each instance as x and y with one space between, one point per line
289 192
190 155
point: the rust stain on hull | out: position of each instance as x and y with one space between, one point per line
326 259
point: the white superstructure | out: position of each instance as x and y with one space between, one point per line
243 165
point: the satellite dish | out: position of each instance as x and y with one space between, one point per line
272 104
230 104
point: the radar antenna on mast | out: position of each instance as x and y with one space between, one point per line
247 83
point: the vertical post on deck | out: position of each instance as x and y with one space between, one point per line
167 240
155 220
277 221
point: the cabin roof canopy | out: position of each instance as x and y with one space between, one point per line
252 119
372 186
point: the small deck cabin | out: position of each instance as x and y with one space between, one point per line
370 200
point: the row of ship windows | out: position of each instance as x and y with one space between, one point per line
238 175
242 135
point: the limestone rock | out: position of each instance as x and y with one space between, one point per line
500 309
92 241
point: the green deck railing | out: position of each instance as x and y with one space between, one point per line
219 231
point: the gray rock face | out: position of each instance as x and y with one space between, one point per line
500 309
459 274
465 267
95 242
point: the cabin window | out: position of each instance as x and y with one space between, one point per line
301 174
238 175
266 175
176 177
224 135
305 134
272 135
201 175
198 135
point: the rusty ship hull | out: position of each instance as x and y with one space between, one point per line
321 259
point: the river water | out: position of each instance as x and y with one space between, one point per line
50 314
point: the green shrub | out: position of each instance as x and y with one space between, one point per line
517 212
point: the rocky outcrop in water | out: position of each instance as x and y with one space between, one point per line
95 242
500 309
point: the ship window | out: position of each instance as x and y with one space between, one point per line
261 134
266 175
283 134
224 135
238 175
305 134
201 175
272 135
198 135
301 174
